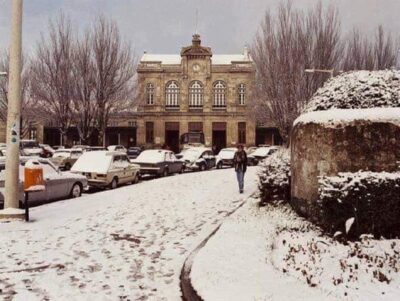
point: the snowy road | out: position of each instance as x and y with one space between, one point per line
124 244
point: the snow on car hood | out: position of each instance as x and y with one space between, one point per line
150 156
226 154
98 162
32 151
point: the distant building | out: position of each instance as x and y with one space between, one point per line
195 91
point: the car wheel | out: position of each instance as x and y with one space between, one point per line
136 180
114 183
76 191
202 167
219 165
165 172
182 170
67 166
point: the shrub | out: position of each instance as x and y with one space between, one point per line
358 90
274 182
361 203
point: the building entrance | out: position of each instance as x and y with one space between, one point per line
172 136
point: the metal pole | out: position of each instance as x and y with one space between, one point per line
14 109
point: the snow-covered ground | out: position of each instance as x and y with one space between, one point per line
124 244
270 253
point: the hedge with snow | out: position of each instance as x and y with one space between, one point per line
361 203
358 90
274 177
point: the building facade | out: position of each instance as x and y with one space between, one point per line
195 91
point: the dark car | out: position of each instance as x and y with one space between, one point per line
158 162
134 152
197 158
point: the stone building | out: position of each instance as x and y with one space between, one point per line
195 91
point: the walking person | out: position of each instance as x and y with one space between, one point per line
240 164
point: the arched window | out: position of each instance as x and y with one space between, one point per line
150 94
219 94
242 94
172 94
196 94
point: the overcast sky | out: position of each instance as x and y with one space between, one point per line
163 26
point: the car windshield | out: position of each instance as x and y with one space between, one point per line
152 156
29 144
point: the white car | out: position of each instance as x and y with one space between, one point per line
106 169
31 148
117 148
58 185
262 152
66 158
225 157
197 158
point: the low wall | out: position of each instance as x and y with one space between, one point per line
333 141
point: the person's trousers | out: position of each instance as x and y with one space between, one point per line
240 178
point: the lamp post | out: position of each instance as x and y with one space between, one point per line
11 200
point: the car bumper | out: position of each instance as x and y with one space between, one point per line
97 183
150 170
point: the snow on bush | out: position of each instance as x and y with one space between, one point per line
274 177
358 90
360 203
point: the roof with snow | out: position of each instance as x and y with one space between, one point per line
335 117
175 59
197 50
358 90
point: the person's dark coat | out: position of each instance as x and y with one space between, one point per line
240 161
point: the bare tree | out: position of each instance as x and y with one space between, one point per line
114 72
362 53
84 103
287 44
52 77
27 114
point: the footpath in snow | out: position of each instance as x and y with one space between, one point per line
270 253
123 244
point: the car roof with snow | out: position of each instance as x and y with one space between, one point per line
98 162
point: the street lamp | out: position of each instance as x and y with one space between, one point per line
11 199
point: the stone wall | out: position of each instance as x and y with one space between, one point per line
350 141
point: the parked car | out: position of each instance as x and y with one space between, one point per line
262 152
134 152
31 148
251 161
80 146
66 158
158 162
56 147
197 158
94 148
59 185
48 151
3 146
106 169
117 148
225 157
